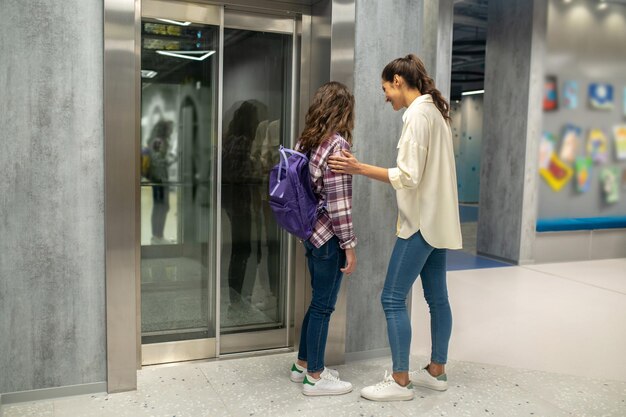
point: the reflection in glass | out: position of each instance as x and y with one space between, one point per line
257 79
178 141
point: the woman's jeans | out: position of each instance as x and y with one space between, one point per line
160 207
324 264
412 257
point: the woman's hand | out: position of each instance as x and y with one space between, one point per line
350 262
344 163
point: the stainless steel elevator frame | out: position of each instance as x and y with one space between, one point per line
320 60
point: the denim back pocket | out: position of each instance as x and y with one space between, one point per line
326 251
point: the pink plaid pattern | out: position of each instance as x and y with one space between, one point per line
334 192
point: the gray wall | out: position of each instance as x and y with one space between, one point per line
512 126
52 311
399 30
586 45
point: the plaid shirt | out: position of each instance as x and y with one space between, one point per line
334 193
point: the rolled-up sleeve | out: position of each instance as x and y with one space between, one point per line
339 207
412 153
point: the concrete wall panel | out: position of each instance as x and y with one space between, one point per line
51 195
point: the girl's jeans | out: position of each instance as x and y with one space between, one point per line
412 257
324 264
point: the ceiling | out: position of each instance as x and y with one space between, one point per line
468 46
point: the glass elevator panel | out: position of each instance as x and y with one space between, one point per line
214 264
179 68
256 120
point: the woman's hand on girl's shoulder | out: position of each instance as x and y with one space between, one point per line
343 163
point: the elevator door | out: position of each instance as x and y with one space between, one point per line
256 120
216 103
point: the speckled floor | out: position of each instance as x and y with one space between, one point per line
259 386
567 318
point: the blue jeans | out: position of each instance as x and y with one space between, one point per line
324 264
412 257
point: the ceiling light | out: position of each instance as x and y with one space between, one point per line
148 74
602 6
188 54
567 1
175 22
471 93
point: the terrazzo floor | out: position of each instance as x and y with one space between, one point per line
259 386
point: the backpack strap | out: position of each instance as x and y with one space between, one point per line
284 163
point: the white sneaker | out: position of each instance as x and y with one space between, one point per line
423 378
327 384
298 372
388 390
160 241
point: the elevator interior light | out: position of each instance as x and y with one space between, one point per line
602 6
193 55
471 93
175 22
148 74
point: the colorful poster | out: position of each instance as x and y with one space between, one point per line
546 149
619 133
597 146
584 165
601 96
570 94
610 184
550 96
571 143
557 174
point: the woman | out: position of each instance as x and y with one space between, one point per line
330 250
158 167
428 223
237 188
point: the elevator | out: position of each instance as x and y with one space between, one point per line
198 97
217 100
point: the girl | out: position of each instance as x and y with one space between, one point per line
428 223
330 250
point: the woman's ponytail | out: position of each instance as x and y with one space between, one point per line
413 71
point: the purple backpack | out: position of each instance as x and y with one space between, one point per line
291 194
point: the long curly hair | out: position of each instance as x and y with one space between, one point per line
332 111
412 69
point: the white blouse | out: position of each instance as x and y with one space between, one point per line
425 177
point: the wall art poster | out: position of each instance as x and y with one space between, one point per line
557 174
571 143
597 146
570 94
550 96
610 184
619 133
583 165
601 96
546 149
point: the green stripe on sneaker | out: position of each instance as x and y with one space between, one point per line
295 368
442 377
306 381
